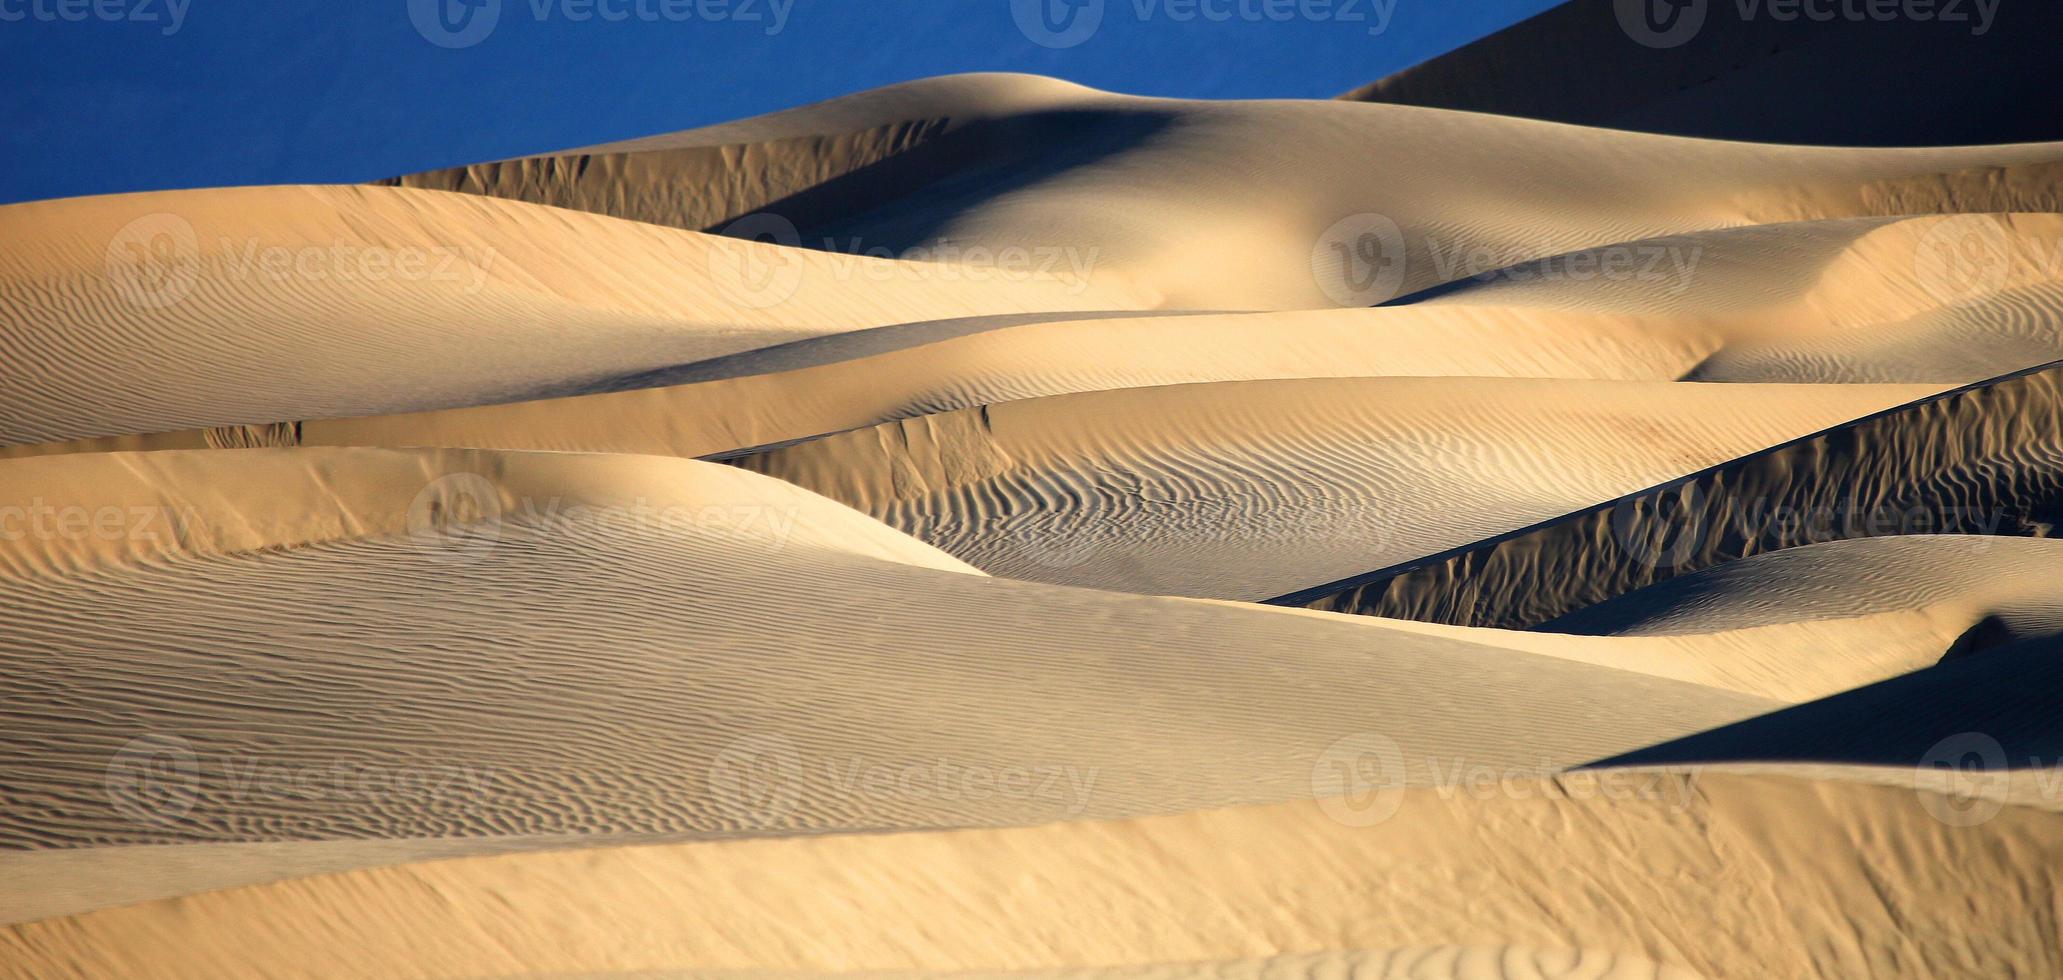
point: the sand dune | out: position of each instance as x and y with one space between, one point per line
1836 301
276 305
1252 490
151 312
1720 876
642 687
1110 175
513 570
1978 460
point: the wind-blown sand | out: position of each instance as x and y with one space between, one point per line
514 570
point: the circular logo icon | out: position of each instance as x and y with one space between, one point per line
1661 530
454 23
154 779
1359 261
1359 780
757 780
1057 23
1661 23
155 260
1962 780
1963 258
755 275
456 518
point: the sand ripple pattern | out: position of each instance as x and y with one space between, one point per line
591 676
1986 459
1243 491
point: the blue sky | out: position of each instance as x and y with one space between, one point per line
120 95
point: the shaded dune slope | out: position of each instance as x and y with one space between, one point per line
1980 715
1954 73
1984 459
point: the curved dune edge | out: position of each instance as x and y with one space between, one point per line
1982 459
1070 172
265 304
1704 873
67 515
1238 490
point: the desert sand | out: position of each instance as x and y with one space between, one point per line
992 526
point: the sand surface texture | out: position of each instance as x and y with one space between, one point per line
989 526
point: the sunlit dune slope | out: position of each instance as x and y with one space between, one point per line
1714 875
